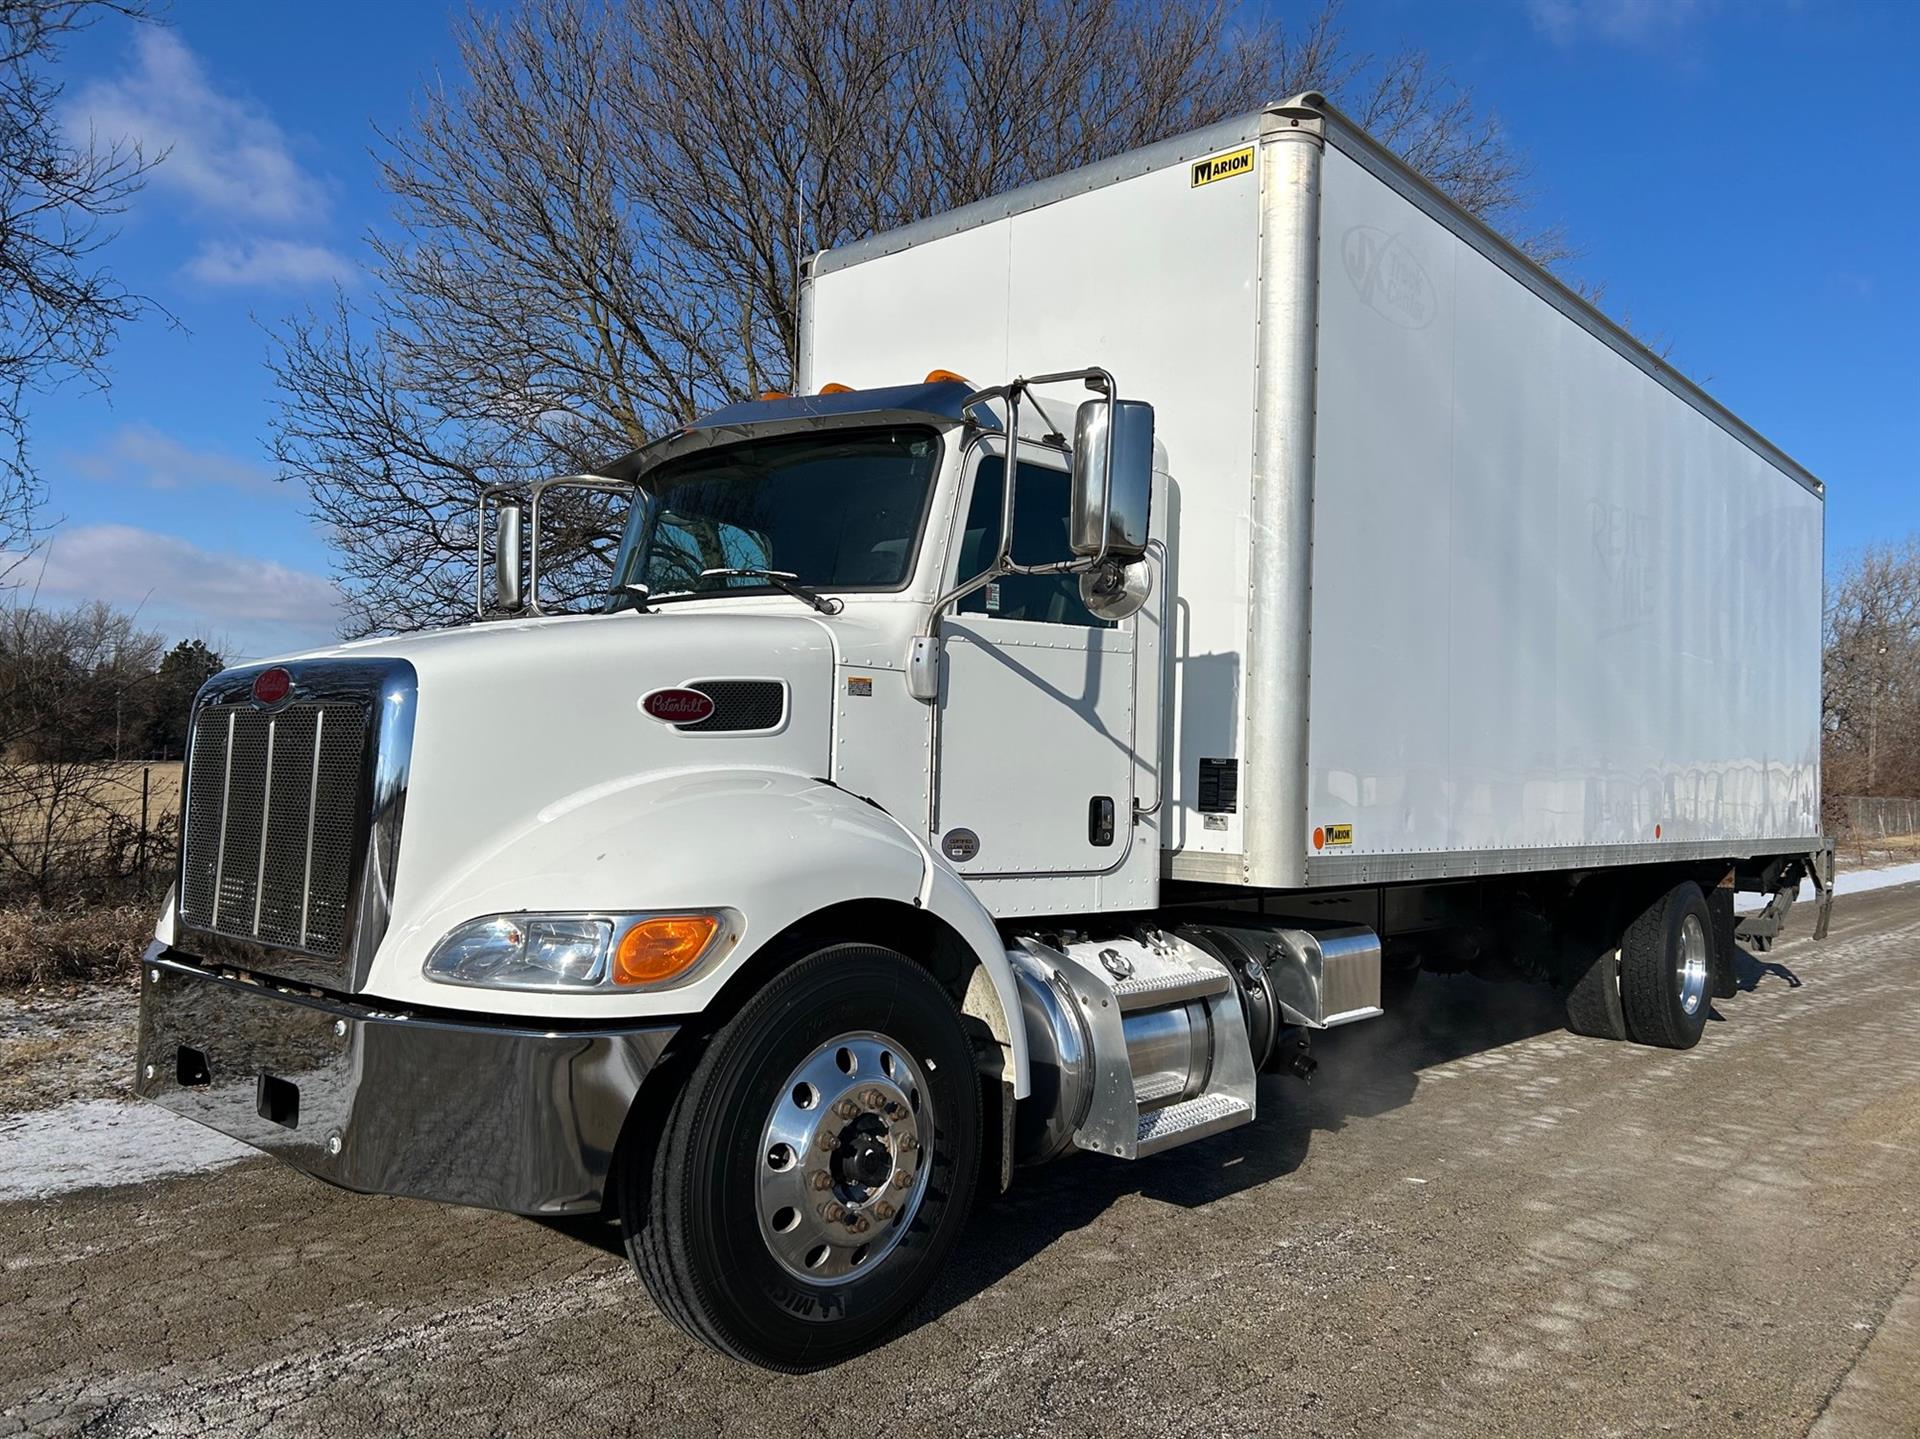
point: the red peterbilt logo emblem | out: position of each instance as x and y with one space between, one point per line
678 706
271 686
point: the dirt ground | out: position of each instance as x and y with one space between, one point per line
1472 1223
59 1045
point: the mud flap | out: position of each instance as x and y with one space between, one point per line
1723 981
1820 868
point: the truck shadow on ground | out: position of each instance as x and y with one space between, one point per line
1365 1070
1749 969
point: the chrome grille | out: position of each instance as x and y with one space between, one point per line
275 823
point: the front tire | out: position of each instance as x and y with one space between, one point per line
814 1171
1666 962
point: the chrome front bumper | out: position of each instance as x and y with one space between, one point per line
509 1118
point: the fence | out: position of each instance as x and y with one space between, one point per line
87 831
1876 817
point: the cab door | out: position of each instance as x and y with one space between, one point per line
1034 761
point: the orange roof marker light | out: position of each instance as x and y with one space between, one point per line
935 377
834 387
775 395
663 948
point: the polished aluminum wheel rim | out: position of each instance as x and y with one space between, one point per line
1693 964
843 1165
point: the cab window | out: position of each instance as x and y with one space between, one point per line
1040 531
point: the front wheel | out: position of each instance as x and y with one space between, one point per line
813 1172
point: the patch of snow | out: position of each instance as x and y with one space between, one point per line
89 1143
1852 881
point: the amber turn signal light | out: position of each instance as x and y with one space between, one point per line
659 949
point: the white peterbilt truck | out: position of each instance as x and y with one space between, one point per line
1303 589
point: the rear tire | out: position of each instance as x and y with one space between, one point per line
850 1067
1593 1003
1666 961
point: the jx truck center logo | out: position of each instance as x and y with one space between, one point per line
1388 277
1626 550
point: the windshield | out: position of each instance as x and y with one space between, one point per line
837 511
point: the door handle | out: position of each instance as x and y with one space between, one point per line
1100 821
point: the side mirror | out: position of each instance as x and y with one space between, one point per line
1112 520
506 557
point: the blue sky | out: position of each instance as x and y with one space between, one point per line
1741 176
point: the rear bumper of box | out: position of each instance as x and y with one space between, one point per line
467 1112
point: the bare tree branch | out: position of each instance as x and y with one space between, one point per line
59 310
598 229
1871 673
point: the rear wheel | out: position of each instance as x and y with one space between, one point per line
1666 960
814 1171
1593 1000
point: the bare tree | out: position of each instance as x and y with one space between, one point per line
1871 674
598 230
72 686
59 310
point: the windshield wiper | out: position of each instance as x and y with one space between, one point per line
786 581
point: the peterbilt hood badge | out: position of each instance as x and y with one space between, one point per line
677 705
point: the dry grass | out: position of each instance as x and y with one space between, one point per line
117 789
122 790
1875 852
69 946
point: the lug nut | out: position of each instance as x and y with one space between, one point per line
883 1210
847 1109
823 1139
858 1224
874 1099
902 1180
908 1144
820 1179
833 1213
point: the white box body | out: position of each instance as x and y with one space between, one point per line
1464 580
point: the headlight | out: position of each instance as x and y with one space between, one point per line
576 951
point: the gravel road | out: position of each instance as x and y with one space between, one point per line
1471 1223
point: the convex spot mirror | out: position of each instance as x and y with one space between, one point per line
1124 427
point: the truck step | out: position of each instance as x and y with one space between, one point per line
1183 1123
1175 984
1158 1088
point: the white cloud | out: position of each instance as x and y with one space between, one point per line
1623 22
224 152
268 263
142 455
251 607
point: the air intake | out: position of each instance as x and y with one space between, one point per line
740 706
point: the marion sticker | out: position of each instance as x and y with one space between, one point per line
1333 836
1229 166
